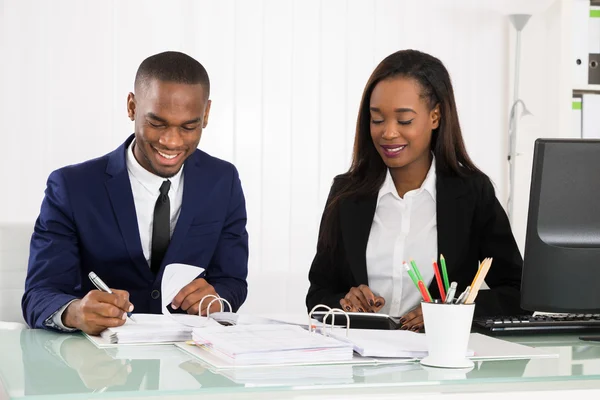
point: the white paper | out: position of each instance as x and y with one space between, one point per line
594 30
384 343
579 40
577 117
175 278
590 128
148 328
270 344
490 348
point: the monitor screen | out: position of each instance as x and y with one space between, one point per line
561 270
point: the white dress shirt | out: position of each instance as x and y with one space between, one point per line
403 229
145 187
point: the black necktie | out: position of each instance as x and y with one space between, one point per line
161 228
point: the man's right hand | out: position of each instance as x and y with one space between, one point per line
98 311
362 299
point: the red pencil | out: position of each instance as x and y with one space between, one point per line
424 292
438 279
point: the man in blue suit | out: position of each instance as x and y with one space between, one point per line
154 201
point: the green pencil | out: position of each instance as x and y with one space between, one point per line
411 274
419 277
444 272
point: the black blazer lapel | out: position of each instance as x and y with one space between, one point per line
356 217
121 198
454 217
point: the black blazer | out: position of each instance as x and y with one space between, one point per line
471 225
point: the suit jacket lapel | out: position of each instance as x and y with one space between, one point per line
195 182
356 217
451 220
121 198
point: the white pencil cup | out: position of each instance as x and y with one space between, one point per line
447 328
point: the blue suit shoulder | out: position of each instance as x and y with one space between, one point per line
84 168
206 160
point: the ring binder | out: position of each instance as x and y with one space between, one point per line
215 298
311 327
332 312
220 300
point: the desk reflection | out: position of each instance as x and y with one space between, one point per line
61 364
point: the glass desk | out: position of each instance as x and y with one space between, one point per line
46 365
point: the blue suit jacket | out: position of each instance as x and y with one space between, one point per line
88 223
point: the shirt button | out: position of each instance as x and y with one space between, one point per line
155 294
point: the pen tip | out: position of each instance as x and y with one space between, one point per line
441 256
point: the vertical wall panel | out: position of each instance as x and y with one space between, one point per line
360 26
305 209
276 144
333 156
248 108
212 35
389 19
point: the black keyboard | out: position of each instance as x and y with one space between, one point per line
523 324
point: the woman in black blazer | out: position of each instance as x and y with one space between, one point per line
408 138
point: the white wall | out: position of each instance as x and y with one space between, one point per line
545 87
287 77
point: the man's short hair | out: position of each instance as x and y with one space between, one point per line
172 66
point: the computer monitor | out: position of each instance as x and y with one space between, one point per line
561 271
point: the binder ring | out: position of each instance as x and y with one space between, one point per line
221 300
334 311
315 308
202 300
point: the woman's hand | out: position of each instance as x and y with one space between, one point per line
361 299
413 320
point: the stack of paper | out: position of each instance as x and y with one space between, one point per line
380 343
148 328
270 344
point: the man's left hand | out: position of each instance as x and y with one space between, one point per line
188 298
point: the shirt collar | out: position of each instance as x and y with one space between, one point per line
428 184
147 179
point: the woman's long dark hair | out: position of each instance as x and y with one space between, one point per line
368 171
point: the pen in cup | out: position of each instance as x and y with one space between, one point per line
463 295
451 293
101 286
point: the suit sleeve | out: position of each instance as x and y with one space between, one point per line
228 268
497 241
53 272
326 281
